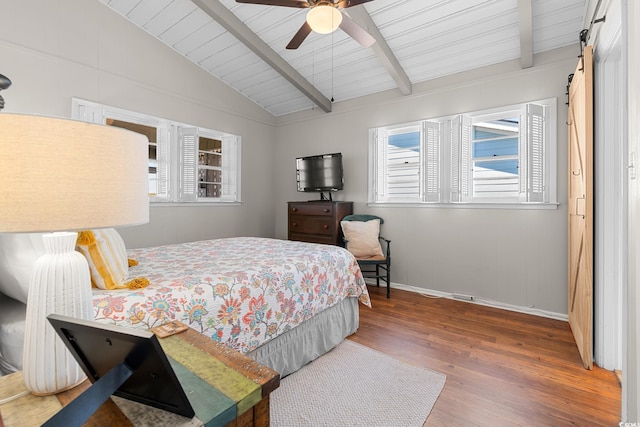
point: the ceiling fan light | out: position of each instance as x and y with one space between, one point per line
324 19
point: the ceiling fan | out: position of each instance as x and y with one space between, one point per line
323 17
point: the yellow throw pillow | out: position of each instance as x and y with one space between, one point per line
106 254
362 238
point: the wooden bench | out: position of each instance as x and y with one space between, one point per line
240 395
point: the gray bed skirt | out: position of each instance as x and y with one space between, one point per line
285 354
306 342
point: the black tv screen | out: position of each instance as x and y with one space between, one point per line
320 173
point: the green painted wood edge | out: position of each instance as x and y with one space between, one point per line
233 384
211 406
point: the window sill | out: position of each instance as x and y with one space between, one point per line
521 206
191 204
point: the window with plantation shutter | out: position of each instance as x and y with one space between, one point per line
403 164
495 157
188 145
398 154
186 163
147 126
163 173
532 155
91 113
460 149
431 161
230 171
502 156
377 158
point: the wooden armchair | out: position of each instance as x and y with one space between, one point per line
372 251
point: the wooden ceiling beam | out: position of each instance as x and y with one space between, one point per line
525 18
382 50
223 16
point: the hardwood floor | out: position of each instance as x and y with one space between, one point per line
503 368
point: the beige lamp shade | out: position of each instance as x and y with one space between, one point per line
324 19
59 174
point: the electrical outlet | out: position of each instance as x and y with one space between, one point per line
463 297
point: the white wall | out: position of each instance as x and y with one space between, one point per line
55 50
631 371
517 257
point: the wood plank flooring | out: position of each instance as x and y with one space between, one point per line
503 368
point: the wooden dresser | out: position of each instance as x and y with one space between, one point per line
318 221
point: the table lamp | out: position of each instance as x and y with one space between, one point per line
61 176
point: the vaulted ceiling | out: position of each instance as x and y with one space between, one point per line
243 45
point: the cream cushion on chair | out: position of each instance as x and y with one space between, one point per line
362 238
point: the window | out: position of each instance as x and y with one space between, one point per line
494 158
399 163
504 156
186 163
151 132
407 163
209 167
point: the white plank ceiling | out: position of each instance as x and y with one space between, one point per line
426 39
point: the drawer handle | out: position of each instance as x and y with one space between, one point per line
294 224
325 226
294 209
326 210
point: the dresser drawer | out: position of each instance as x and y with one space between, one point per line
317 221
312 238
311 208
311 225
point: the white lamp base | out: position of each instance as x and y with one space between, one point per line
60 284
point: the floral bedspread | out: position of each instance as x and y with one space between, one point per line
240 291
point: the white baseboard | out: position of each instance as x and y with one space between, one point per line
479 300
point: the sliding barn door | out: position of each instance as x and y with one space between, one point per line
580 121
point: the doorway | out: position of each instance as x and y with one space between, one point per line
610 154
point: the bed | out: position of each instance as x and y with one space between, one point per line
283 303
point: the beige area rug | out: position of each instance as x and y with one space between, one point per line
354 385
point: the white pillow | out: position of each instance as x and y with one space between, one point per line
18 253
12 314
362 238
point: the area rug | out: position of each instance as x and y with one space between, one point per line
354 385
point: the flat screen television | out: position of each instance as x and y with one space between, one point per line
320 173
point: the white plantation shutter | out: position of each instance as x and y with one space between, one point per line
460 140
523 163
431 162
163 158
88 112
531 154
378 161
454 168
188 149
536 119
466 174
230 168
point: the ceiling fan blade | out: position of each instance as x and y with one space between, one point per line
286 3
348 3
356 32
299 37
